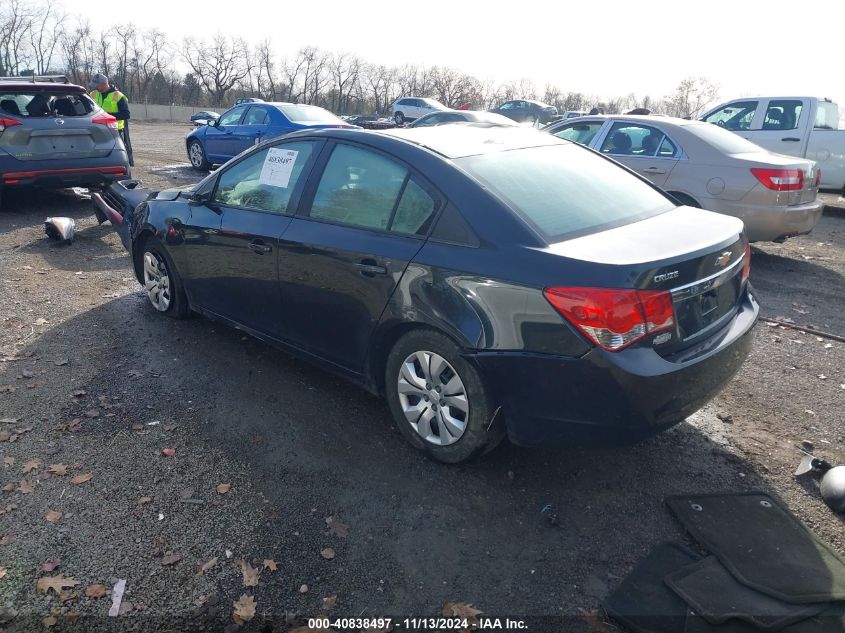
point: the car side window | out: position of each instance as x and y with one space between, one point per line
256 116
734 116
265 180
782 115
582 133
414 212
232 117
358 187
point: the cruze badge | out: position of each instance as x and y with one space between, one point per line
723 260
666 276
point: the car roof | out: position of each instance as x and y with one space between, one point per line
41 85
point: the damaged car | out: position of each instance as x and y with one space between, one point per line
488 282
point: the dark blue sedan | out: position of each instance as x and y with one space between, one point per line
486 281
248 124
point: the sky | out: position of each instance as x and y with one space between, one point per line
604 48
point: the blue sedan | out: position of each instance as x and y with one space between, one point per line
246 125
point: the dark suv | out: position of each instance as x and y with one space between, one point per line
53 135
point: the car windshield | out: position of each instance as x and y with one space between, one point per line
309 114
566 191
32 103
722 139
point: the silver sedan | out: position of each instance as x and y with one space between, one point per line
705 166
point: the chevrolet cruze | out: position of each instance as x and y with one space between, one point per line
488 282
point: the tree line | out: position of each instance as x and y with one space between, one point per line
39 37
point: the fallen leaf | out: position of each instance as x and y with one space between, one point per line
31 465
336 527
144 500
26 487
330 602
172 559
328 553
95 591
81 479
8 539
250 574
244 609
223 488
49 622
53 516
204 567
58 469
463 611
56 583
51 565
168 452
270 564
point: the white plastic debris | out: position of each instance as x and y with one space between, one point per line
117 597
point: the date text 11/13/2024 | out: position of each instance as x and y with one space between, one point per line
478 623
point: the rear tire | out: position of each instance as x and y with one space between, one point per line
438 399
162 282
196 154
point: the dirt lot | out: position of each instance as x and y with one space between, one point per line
322 484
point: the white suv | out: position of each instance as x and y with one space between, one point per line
411 108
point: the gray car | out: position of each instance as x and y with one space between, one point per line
53 135
705 166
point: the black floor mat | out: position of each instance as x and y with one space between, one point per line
830 621
763 545
715 595
643 602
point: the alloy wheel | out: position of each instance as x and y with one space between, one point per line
433 398
157 281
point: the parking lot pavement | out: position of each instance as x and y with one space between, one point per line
95 381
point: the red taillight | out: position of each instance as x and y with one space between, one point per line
7 122
780 179
614 319
746 264
104 118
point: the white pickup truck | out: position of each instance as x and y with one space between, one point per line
797 126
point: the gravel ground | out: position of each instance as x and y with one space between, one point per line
322 486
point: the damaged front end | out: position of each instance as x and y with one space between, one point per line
117 203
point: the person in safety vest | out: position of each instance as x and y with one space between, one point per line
115 103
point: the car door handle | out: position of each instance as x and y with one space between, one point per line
370 269
791 138
260 248
655 170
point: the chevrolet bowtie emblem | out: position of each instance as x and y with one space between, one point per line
723 259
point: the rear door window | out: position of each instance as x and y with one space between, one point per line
564 190
734 116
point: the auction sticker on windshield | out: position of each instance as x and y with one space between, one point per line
278 167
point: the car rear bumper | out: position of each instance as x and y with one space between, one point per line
606 398
775 223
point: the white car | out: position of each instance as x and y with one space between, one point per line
796 126
412 108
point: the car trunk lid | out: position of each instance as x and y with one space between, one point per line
694 255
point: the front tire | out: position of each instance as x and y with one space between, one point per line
162 282
196 154
438 399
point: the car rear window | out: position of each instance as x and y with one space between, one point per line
722 139
34 103
310 114
566 191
